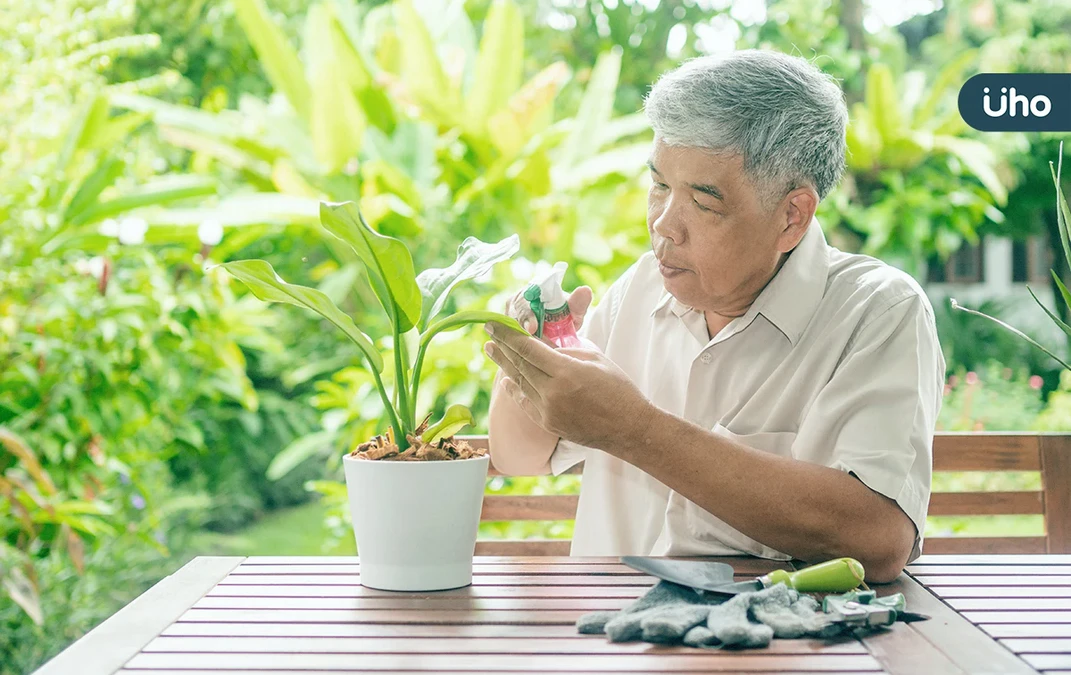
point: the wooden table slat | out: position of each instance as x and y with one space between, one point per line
702 661
482 570
1038 645
507 617
519 579
451 645
1028 630
983 618
991 570
750 568
954 592
1000 604
427 603
357 591
986 560
379 630
1028 580
246 671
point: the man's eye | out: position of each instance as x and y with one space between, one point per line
703 208
661 186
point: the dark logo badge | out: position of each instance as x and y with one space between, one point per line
1017 102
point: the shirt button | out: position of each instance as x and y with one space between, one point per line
706 357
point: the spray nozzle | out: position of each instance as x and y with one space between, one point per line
545 294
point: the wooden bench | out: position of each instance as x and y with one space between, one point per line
1049 454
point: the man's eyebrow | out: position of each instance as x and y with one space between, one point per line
709 190
705 189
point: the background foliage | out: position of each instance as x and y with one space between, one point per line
151 410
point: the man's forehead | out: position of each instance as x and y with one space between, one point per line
685 158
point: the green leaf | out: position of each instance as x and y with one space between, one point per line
277 56
624 127
883 102
596 108
528 112
387 261
1055 319
457 417
220 149
466 318
262 280
1063 214
474 258
108 169
298 451
626 160
82 129
24 594
1063 289
374 99
116 130
421 69
1016 331
218 125
498 65
336 120
157 191
979 159
947 79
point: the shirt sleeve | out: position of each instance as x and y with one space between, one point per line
875 419
595 333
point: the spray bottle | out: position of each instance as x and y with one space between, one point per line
551 308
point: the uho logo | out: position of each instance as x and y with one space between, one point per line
1017 102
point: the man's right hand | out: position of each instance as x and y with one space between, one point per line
579 302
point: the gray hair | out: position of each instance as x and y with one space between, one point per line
781 113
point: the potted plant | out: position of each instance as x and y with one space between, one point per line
415 491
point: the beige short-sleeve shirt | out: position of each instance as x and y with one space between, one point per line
836 363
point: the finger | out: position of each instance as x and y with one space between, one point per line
579 302
525 401
504 363
520 310
519 353
519 365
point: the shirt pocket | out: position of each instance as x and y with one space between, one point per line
707 531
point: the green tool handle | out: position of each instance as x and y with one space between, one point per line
833 576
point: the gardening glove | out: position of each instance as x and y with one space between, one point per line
673 614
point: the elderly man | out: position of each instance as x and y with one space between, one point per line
753 390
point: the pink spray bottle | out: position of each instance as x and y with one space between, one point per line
551 308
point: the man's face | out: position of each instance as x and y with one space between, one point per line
706 219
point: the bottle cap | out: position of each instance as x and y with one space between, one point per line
545 292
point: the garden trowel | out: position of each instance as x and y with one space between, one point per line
833 576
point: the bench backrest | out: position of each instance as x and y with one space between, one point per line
1049 454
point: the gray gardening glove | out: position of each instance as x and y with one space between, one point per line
673 614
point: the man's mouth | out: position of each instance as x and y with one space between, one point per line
669 270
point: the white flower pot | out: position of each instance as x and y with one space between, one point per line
415 522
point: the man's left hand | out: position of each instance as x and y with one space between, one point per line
578 394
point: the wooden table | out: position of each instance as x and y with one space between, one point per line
991 614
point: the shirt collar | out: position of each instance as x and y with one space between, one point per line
792 296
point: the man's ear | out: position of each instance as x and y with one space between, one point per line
799 207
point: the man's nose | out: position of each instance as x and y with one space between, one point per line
668 226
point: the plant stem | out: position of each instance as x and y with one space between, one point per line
404 382
399 437
417 368
399 384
